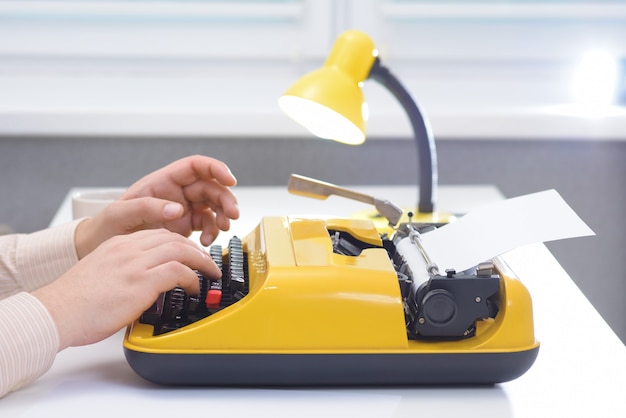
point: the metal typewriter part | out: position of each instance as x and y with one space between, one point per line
317 189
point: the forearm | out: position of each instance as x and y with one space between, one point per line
28 341
30 261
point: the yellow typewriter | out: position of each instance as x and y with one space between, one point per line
307 301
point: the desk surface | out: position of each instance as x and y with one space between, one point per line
581 367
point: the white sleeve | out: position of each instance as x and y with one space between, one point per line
29 338
29 341
30 261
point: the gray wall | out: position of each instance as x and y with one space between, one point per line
36 174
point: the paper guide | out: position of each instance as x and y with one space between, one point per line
490 231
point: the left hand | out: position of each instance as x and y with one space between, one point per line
137 268
191 194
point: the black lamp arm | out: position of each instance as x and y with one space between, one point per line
426 149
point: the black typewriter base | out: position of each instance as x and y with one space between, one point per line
330 369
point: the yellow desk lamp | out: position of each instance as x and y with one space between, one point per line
329 102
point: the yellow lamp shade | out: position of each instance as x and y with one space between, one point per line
329 101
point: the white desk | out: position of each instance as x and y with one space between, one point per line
580 371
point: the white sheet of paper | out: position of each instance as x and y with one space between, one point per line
490 231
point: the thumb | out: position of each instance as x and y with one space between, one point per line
144 211
172 211
123 217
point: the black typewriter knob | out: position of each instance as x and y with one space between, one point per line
438 307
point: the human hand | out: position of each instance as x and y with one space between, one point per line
119 280
191 194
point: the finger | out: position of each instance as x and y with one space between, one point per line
208 227
143 241
214 196
172 274
154 237
183 251
150 249
208 168
222 223
143 212
198 167
229 205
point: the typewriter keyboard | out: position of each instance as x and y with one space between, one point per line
175 309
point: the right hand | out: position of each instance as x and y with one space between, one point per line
190 194
113 285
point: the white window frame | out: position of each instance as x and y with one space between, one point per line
164 29
174 68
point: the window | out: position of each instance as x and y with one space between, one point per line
187 29
512 30
156 67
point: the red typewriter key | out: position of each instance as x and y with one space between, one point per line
213 298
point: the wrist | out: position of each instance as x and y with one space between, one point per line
84 242
56 309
